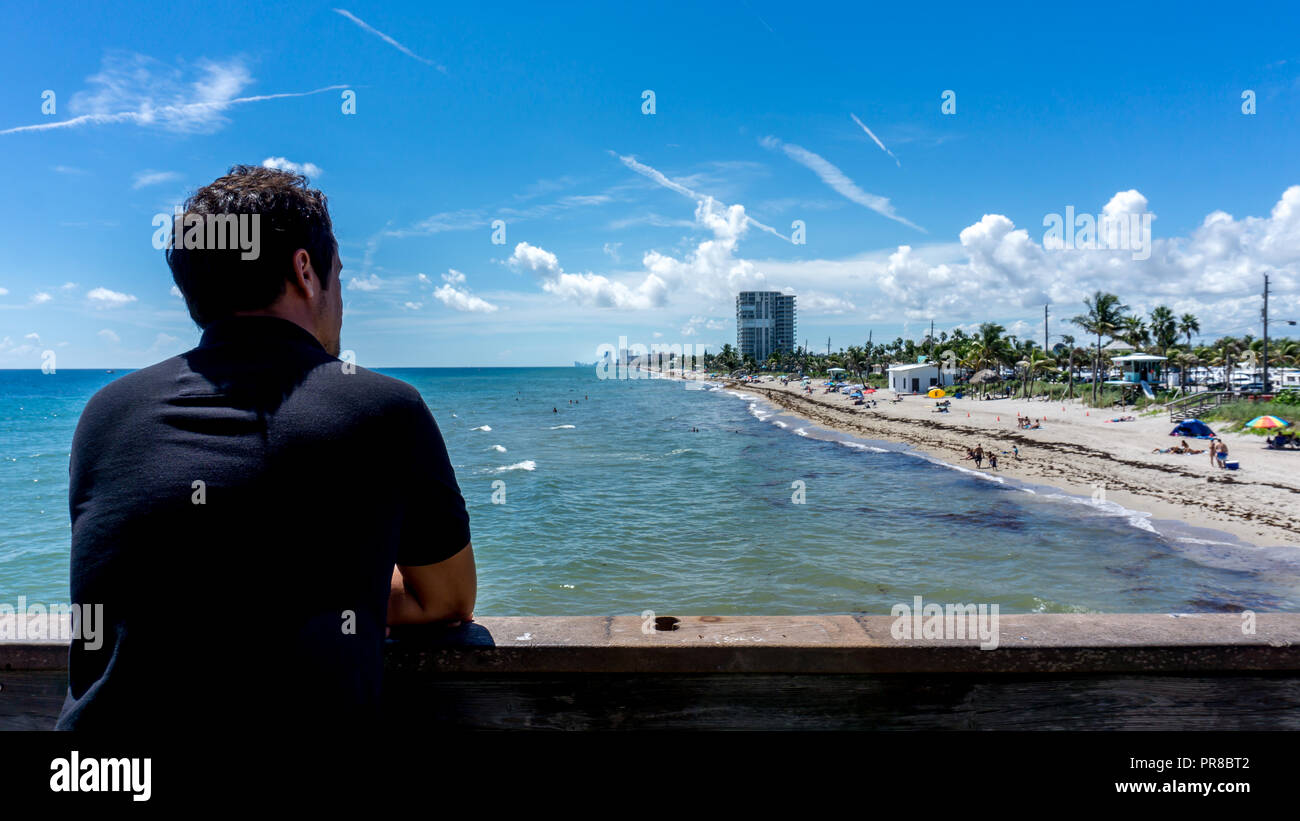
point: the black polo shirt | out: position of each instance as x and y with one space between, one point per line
237 510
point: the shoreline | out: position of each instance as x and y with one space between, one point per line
1076 448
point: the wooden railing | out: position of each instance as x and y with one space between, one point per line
1193 405
1205 671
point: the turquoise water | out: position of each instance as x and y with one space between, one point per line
613 505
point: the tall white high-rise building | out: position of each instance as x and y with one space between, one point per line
765 322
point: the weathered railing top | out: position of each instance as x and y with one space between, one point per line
916 643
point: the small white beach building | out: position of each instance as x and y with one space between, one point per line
917 378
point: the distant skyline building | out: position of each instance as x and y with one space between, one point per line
765 322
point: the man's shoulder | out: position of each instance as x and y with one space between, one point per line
131 387
366 388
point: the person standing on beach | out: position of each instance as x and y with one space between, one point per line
979 456
1214 452
253 513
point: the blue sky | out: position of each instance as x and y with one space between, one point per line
626 224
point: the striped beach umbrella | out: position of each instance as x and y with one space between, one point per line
1268 422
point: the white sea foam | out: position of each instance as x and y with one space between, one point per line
981 474
527 464
482 427
761 414
498 448
1136 518
563 427
860 446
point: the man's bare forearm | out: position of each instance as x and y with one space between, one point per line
406 608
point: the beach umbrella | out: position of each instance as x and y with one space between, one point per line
935 393
1268 423
983 376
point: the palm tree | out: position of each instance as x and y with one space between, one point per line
1164 328
1102 319
1225 353
727 358
1134 332
990 349
1068 342
1035 360
1188 324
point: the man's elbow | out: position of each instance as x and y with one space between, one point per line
457 610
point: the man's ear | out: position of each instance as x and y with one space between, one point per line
304 275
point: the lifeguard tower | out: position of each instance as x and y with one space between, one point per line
1139 371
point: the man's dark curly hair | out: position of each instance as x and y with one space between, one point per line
218 282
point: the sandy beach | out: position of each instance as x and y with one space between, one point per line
1077 447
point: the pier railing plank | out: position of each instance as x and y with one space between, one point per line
1150 671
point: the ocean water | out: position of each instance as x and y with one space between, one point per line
610 503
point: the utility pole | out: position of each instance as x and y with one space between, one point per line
1045 336
828 346
1265 333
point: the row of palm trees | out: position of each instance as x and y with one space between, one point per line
1105 320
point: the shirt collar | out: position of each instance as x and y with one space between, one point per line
256 328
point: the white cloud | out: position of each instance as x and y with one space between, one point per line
163 342
187 99
462 220
33 338
816 302
176 292
4 291
711 271
611 250
148 177
837 180
453 276
423 280
104 298
587 289
673 185
370 283
309 169
413 306
40 298
109 336
68 286
462 300
14 351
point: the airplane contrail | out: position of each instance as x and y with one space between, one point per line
874 137
389 40
658 176
837 179
153 114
